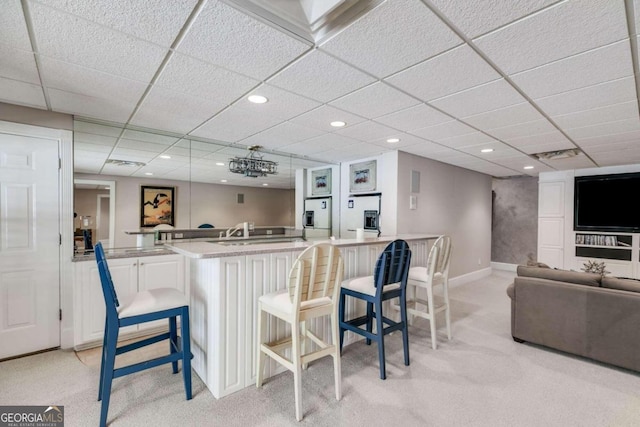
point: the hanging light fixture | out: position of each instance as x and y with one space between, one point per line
253 165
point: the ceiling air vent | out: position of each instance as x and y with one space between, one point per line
558 154
129 163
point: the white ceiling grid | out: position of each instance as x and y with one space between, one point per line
448 78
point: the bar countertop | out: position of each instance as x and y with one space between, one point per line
238 247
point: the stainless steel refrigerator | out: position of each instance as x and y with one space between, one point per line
317 217
363 211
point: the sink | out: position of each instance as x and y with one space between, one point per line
255 241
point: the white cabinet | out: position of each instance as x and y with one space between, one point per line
129 276
551 219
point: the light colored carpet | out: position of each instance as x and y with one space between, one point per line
480 378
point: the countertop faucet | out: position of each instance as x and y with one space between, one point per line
243 225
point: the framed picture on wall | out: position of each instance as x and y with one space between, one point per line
362 176
157 206
321 182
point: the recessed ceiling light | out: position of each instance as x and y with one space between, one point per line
393 140
219 164
223 180
528 167
148 173
486 150
165 156
338 124
257 99
265 184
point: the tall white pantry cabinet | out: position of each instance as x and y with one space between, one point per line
559 246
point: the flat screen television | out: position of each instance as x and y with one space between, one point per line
607 203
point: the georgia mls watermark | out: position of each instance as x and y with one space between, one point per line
31 416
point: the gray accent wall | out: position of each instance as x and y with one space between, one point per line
515 220
451 200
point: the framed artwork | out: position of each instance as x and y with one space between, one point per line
157 206
321 182
362 176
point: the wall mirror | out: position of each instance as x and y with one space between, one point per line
205 191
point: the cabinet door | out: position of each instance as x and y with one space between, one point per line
124 273
165 271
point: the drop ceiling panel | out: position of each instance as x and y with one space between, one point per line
414 118
478 17
443 130
85 81
480 99
474 138
115 110
367 131
149 137
536 127
319 144
224 36
502 117
282 134
13 30
586 69
578 162
500 150
611 139
20 93
625 110
605 129
165 109
120 153
282 104
375 100
570 27
630 156
96 129
427 149
316 76
541 143
87 148
197 78
588 98
453 71
235 124
157 21
610 148
406 140
71 39
321 117
18 65
404 32
141 145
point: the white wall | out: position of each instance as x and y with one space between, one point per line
453 201
198 203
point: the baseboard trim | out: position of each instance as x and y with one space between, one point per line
469 277
503 266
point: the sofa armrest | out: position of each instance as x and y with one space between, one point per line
511 291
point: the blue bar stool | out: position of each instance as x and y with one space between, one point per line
146 306
388 282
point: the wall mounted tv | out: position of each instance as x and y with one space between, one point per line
607 203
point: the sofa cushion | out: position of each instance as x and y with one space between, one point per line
577 277
622 284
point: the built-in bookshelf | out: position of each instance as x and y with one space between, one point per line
607 246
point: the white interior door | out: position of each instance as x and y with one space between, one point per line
29 244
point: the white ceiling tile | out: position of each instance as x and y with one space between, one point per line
403 32
329 141
141 145
193 77
622 157
625 110
570 27
224 36
21 93
453 71
487 97
18 65
536 127
605 129
519 161
71 39
414 118
633 136
577 162
235 124
511 115
474 138
500 150
158 21
94 142
320 77
156 138
406 140
165 109
610 148
321 117
443 130
375 100
282 104
541 143
600 95
478 17
132 155
426 149
13 30
367 131
88 82
91 150
586 69
282 134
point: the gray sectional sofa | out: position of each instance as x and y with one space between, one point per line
579 313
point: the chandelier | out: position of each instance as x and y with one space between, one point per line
253 165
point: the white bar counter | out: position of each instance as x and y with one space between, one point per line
227 278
